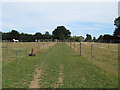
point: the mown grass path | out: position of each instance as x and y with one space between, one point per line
61 68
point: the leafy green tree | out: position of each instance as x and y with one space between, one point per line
107 38
24 37
61 33
94 39
100 38
38 36
14 35
77 38
5 36
47 35
117 29
88 37
31 38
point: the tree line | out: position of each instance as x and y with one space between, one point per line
60 33
63 34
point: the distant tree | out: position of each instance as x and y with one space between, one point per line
38 36
94 39
14 35
88 37
100 38
117 29
61 33
30 38
23 37
77 38
5 36
107 38
47 35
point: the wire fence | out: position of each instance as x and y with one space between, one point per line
104 55
12 51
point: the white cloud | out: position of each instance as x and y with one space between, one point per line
46 16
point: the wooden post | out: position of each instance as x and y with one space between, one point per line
7 47
80 49
70 44
38 46
91 52
74 44
47 43
43 44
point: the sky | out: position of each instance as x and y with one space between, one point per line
81 18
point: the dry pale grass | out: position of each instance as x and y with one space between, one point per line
11 50
104 55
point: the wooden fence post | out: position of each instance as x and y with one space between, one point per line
91 52
80 49
43 44
7 47
70 44
38 46
74 44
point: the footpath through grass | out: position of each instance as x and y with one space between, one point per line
61 68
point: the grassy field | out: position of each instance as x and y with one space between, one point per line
11 50
55 67
104 55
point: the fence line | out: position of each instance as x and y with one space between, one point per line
90 46
80 49
102 56
13 51
105 48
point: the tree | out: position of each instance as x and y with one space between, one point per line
14 35
46 35
88 38
38 36
61 33
94 39
5 36
24 37
30 38
100 38
117 29
77 38
107 38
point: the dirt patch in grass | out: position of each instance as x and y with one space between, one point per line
60 79
36 79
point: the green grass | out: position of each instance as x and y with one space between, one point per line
11 50
104 55
78 72
20 70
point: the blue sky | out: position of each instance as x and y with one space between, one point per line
80 18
